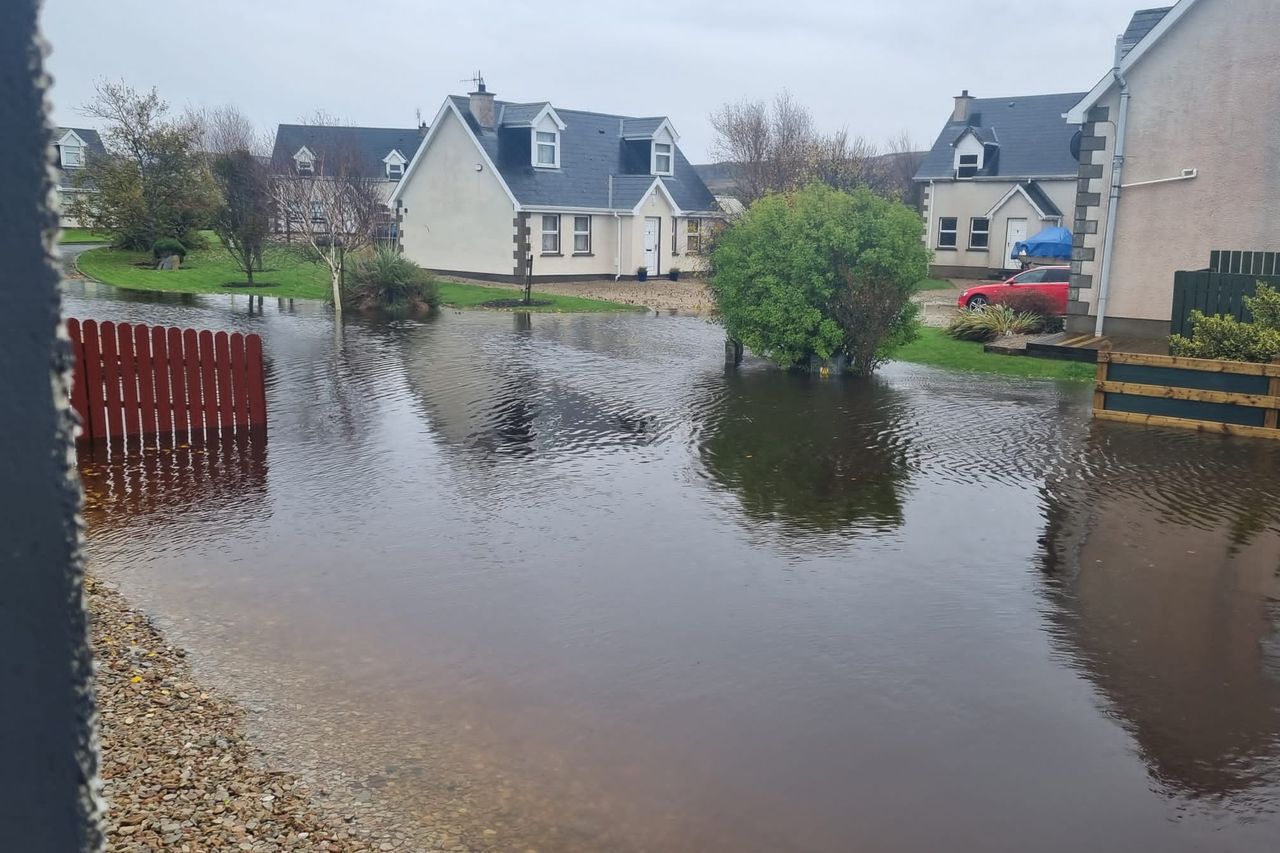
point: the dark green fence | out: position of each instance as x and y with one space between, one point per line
1213 293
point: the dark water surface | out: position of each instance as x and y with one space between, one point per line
562 579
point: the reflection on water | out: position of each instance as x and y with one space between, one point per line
565 579
1163 561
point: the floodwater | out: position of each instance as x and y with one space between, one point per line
562 583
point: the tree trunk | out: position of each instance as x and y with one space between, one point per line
335 273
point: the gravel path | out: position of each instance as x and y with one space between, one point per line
686 296
177 771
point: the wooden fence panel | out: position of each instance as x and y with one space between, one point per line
1232 397
132 380
1213 293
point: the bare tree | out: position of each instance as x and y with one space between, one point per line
337 209
904 158
226 130
847 162
744 140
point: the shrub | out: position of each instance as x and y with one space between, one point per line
1227 338
1042 305
993 321
166 246
388 281
1264 306
820 272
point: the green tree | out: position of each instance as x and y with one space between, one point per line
823 273
152 182
243 220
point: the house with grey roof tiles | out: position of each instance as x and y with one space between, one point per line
381 154
1001 170
497 185
72 148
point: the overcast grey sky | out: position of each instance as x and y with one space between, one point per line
874 66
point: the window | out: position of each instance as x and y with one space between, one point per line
546 149
1057 275
304 167
947 232
661 158
395 171
1030 277
582 235
72 156
551 234
693 237
979 232
968 166
317 210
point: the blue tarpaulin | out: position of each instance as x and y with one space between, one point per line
1049 243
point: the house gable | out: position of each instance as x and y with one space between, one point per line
449 111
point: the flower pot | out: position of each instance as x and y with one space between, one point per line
674 275
642 274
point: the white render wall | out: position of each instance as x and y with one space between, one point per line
1206 98
455 217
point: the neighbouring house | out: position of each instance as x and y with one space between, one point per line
72 148
379 153
582 194
1194 99
1001 171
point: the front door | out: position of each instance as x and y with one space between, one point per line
652 232
1014 234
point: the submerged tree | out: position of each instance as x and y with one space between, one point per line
152 182
822 273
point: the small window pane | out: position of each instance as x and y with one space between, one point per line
661 157
550 233
582 234
979 232
693 237
947 232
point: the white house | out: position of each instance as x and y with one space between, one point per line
583 194
1195 99
1001 170
72 148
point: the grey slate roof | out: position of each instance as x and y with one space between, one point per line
1142 22
591 149
1041 199
1033 138
511 114
634 127
369 144
92 141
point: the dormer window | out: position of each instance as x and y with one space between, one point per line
967 166
546 149
304 161
72 156
394 164
662 157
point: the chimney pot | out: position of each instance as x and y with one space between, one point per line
964 102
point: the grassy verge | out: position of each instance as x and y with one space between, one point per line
934 284
934 348
82 235
461 295
288 273
209 270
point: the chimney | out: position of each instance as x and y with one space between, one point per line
482 104
964 102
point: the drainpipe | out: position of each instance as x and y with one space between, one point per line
1117 171
928 225
617 239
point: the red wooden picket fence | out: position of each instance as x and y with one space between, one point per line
135 380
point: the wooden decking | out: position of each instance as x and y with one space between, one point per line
1085 347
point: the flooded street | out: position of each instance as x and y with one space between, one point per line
561 583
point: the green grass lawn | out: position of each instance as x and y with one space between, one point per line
82 235
461 295
934 348
934 284
208 270
289 274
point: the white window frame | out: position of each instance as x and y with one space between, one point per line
670 155
578 232
397 174
553 232
985 232
76 158
317 212
693 235
555 150
306 166
954 231
961 165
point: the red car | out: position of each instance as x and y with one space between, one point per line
1051 281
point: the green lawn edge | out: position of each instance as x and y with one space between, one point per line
934 348
207 271
71 236
934 284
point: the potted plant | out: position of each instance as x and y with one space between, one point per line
674 273
642 273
